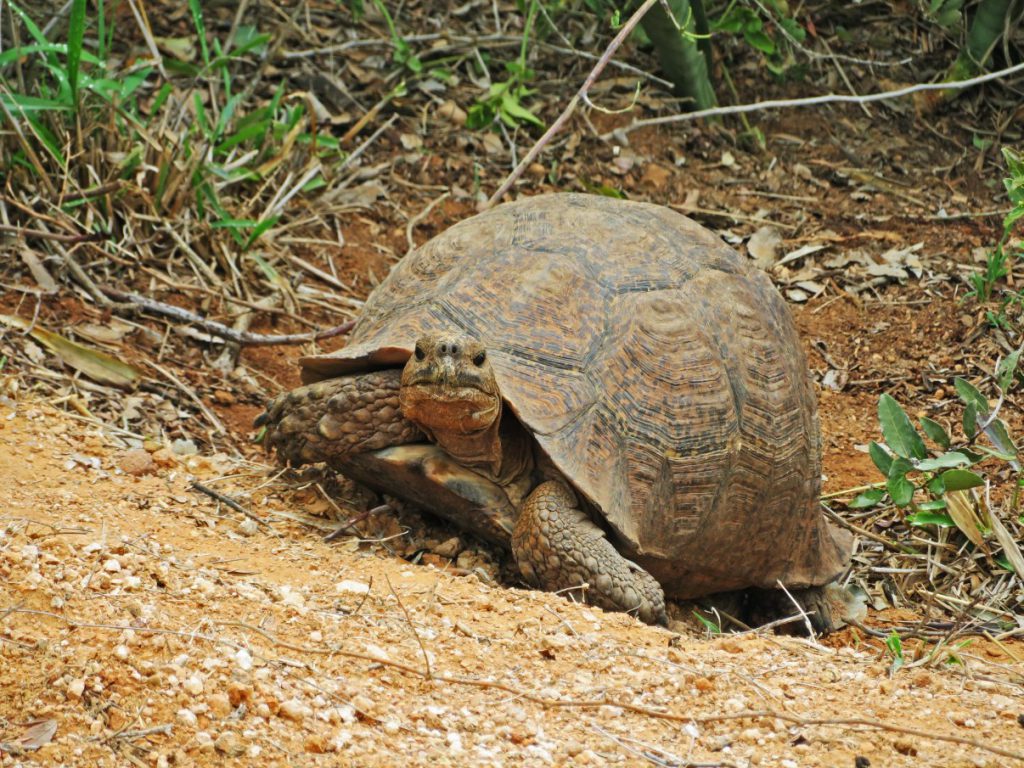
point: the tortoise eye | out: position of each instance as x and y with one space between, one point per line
420 354
478 360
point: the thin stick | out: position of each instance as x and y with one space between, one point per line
829 98
244 338
197 486
429 675
556 126
87 237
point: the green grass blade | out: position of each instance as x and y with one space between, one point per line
76 38
197 17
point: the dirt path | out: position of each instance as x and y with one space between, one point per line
154 627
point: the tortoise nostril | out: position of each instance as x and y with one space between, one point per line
448 348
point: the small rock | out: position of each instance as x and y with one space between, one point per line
164 458
248 527
243 659
316 744
122 652
294 710
193 685
136 462
353 587
219 704
76 688
187 717
229 743
112 566
449 548
239 693
905 747
205 741
183 447
429 558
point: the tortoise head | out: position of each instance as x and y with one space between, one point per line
448 386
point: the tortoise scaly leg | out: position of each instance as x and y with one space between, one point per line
338 417
558 547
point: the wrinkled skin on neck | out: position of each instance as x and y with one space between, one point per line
450 392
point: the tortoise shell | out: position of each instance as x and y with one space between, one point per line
657 369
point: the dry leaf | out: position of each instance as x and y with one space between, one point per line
961 507
104 334
93 363
763 246
1005 539
38 733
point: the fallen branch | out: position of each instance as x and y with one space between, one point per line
244 338
810 101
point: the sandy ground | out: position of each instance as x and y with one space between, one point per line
150 625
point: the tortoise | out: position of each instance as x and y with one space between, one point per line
602 386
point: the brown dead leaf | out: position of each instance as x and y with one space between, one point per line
961 506
38 733
763 246
1006 541
93 363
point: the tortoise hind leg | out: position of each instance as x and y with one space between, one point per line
337 417
559 548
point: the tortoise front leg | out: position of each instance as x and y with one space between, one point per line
335 418
558 547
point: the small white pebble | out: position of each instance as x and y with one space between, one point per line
204 739
248 527
122 652
193 685
352 587
243 659
76 688
187 717
112 566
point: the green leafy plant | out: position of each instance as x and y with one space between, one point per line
711 626
504 100
921 480
945 13
774 39
402 54
988 284
894 644
76 89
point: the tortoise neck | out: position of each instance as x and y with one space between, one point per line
501 452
